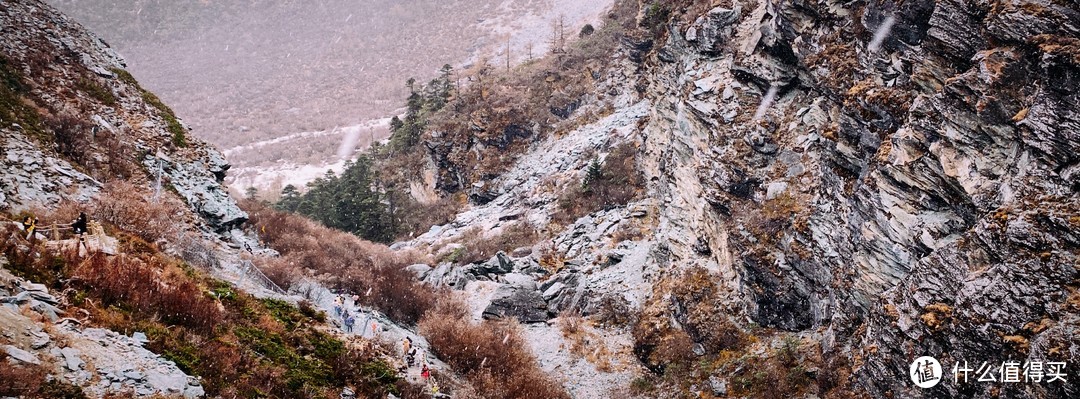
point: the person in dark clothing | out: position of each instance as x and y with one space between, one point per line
79 227
349 322
29 225
410 358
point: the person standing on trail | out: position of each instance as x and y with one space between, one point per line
425 372
349 322
410 358
405 345
338 303
79 227
29 224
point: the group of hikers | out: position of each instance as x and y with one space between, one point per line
79 227
411 355
348 319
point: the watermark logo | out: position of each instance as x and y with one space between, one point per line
925 372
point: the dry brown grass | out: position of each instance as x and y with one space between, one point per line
491 354
661 345
133 209
280 271
585 343
31 381
479 248
552 260
145 288
343 261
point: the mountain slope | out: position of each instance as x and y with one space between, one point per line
156 300
860 201
247 72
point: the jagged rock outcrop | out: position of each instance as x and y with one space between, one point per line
74 119
199 182
99 360
938 172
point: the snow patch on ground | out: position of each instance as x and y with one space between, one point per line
285 172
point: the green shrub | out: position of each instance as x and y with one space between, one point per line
96 91
611 183
172 124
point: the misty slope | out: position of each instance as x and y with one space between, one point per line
243 72
158 299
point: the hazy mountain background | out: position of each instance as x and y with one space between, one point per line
272 83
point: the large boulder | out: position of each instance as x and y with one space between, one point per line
561 291
498 264
525 305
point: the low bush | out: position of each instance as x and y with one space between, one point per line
31 381
72 136
609 184
140 287
280 271
133 209
359 266
344 262
492 355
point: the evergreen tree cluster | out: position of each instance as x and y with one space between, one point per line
361 201
351 202
423 101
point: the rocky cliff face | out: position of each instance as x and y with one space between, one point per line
73 120
913 197
891 178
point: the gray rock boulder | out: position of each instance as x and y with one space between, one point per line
520 281
420 270
498 264
72 359
20 355
525 305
